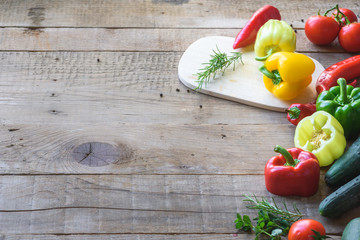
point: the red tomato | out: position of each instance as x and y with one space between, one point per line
348 13
349 37
302 229
321 30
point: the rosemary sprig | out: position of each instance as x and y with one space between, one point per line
272 221
265 205
218 63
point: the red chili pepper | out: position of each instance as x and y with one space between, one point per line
286 176
247 35
348 69
297 111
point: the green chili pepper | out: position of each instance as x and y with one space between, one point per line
343 102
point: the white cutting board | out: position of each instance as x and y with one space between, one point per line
245 84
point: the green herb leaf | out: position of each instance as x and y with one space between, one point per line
271 221
243 223
218 63
274 209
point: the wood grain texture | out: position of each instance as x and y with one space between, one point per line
132 237
153 13
149 148
137 237
51 102
62 88
125 39
138 204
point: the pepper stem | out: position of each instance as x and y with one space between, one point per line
268 54
343 97
274 75
289 159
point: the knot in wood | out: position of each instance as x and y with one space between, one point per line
97 154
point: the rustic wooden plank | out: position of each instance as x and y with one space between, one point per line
63 88
126 108
136 237
154 13
139 204
133 237
125 39
145 148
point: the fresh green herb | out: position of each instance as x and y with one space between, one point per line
272 221
218 63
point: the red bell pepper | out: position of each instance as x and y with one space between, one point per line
348 69
286 176
247 35
297 111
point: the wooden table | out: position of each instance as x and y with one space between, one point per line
81 80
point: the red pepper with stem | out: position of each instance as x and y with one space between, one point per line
286 176
297 111
247 35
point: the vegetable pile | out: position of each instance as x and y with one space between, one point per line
323 128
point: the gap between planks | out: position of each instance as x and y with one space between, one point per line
124 39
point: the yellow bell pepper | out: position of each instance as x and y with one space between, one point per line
287 74
322 135
274 36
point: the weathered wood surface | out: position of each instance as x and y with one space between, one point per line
125 39
149 148
153 13
75 72
160 204
132 237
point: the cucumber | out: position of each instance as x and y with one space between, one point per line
352 230
342 199
345 168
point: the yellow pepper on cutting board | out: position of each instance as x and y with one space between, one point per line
287 74
322 135
274 36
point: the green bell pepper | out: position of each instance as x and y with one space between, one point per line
343 102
